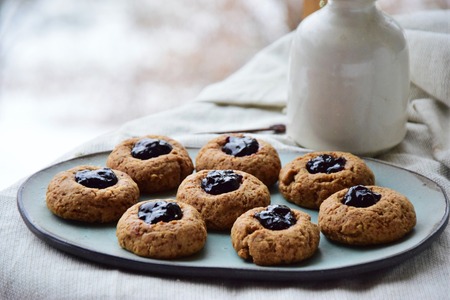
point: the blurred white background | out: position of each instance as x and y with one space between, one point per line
72 70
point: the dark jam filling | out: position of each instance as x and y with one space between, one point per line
240 146
160 211
149 148
360 196
221 181
100 179
325 164
276 217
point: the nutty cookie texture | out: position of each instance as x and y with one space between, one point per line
153 229
311 178
70 199
221 202
156 163
240 152
389 219
253 241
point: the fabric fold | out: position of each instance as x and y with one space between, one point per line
429 62
261 82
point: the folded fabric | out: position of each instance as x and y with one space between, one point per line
260 82
263 80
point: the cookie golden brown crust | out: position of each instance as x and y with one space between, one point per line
163 240
220 211
274 247
70 200
308 190
264 164
388 220
153 175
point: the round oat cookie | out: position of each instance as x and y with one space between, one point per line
71 200
253 241
158 173
221 210
388 220
264 163
309 190
162 239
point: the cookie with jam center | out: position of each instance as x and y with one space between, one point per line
311 178
271 244
152 229
156 163
91 194
385 218
221 196
240 152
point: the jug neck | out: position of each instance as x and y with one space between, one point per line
352 5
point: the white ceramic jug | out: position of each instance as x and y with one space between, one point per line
348 80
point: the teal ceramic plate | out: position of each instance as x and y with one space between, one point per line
98 243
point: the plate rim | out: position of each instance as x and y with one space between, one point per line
162 267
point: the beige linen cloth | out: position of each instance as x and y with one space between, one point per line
255 97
